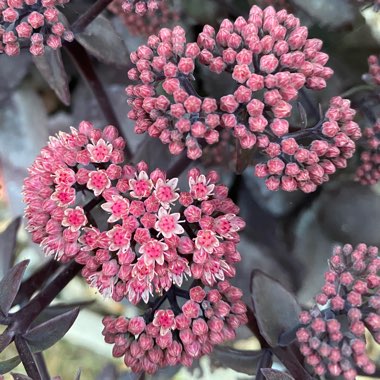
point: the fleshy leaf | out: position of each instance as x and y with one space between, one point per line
51 67
273 374
7 245
238 360
58 309
102 41
275 308
10 285
8 365
50 332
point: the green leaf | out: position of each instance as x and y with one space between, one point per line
50 332
10 285
7 365
275 308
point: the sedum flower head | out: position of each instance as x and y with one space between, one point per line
143 17
145 234
332 337
33 24
270 58
165 337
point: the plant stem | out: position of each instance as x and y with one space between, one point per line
353 90
83 62
27 358
39 357
264 362
290 361
36 305
92 12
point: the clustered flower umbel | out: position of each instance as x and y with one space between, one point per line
143 18
153 235
368 172
166 337
33 24
332 338
270 58
139 237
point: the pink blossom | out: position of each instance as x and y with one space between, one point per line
175 336
168 224
34 24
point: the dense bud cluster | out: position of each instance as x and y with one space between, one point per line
368 172
305 159
332 338
149 234
33 24
140 7
178 334
270 58
143 18
374 69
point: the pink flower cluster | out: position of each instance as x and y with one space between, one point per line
149 234
368 172
304 159
374 69
140 7
332 338
33 24
161 247
143 18
270 58
167 338
72 168
269 53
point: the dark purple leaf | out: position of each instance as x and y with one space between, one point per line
51 67
19 376
10 285
273 374
6 339
275 308
102 41
58 309
50 332
238 360
7 245
8 365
